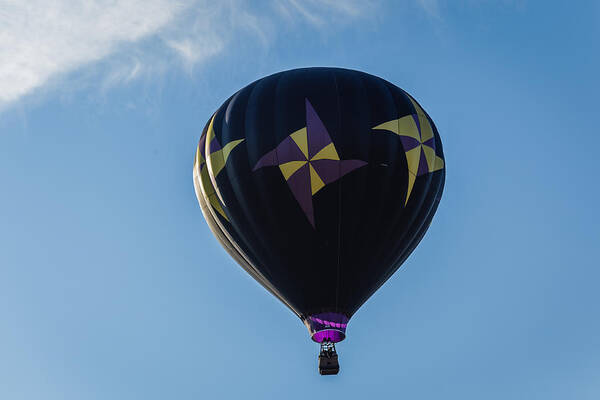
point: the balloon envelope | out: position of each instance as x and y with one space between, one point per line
320 182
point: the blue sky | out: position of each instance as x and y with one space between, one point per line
112 287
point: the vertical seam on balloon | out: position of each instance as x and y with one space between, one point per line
340 144
386 194
365 197
262 247
252 90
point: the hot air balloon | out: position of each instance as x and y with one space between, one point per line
320 182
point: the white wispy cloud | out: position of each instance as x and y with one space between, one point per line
431 7
43 41
39 39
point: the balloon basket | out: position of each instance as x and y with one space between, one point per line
328 359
